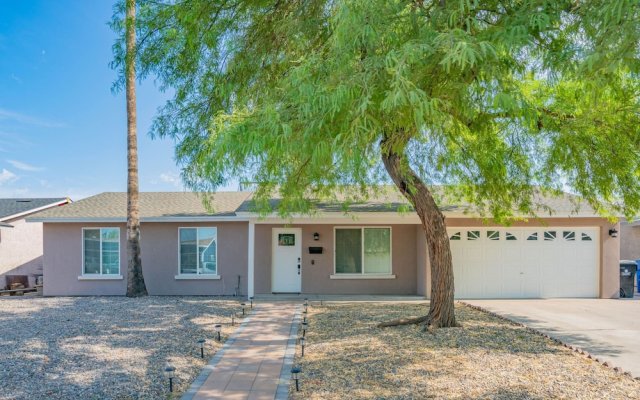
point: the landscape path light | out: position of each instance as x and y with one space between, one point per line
217 328
233 318
170 373
302 341
251 300
295 372
304 329
243 306
201 344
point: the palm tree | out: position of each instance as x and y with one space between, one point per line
135 279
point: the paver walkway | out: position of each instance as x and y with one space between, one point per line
251 367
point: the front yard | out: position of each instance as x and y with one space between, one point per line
105 348
347 357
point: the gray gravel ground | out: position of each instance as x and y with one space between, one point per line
105 347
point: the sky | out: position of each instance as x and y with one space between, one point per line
62 130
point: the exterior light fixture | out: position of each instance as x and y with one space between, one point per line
217 328
304 316
302 341
613 232
304 329
233 318
306 305
243 306
316 236
295 374
170 373
251 300
201 344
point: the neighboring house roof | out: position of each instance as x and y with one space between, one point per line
5 225
188 206
112 206
13 208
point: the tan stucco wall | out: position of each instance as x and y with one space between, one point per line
315 278
21 250
629 242
159 247
609 247
160 259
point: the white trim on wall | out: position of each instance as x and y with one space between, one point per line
251 259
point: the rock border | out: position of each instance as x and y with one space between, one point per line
576 349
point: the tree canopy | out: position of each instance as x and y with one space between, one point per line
495 98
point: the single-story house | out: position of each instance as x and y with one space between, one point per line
372 249
630 240
21 243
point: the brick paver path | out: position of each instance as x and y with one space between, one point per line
250 368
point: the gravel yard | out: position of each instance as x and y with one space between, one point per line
105 347
347 357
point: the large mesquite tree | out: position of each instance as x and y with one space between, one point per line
496 100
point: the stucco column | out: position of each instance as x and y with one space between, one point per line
250 258
610 258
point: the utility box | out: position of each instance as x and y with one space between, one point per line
628 269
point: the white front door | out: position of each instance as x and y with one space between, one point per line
286 274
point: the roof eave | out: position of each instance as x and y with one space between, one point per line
35 210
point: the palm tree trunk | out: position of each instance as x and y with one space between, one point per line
441 305
135 280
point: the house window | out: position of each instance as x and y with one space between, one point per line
198 251
101 251
363 251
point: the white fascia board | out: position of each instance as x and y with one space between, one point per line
34 210
151 219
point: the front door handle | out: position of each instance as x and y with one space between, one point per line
298 269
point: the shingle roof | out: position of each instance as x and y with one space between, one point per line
9 207
113 205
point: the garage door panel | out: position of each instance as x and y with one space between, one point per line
525 262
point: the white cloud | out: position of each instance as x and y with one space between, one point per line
172 178
24 166
7 176
27 119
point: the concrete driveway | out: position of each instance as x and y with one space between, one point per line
608 329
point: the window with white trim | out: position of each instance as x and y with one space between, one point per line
101 251
198 251
363 251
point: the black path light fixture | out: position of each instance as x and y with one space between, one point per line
304 316
305 325
251 300
170 373
201 343
295 374
302 342
306 305
217 328
243 305
613 232
233 318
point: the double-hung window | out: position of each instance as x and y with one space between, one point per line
101 251
198 251
363 251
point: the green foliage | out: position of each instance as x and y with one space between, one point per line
495 99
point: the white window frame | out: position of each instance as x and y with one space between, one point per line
198 274
363 274
101 275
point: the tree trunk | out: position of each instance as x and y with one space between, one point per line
441 306
135 280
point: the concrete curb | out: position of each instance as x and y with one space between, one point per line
208 369
282 393
553 339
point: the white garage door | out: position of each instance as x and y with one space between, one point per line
525 262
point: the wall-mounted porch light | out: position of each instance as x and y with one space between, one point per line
316 236
613 232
